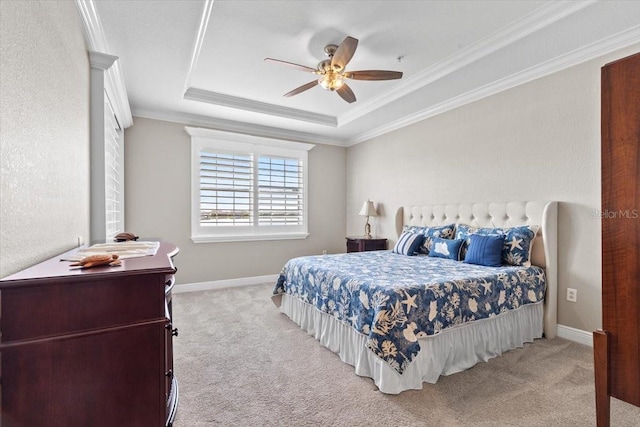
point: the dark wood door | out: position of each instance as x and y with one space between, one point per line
617 346
621 224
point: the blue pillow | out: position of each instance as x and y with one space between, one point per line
517 243
485 250
446 248
442 231
408 243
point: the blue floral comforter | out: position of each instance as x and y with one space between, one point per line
395 299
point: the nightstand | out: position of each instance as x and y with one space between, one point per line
361 244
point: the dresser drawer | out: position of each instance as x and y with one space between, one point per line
74 306
87 379
362 244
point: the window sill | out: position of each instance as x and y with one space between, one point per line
248 238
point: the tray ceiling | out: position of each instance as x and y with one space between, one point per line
202 62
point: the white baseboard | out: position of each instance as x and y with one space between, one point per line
228 283
576 335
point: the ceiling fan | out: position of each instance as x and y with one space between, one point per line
333 73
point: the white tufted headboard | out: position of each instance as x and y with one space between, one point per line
503 214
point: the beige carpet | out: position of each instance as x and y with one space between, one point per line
240 362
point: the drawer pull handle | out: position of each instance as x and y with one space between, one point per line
174 332
169 373
169 284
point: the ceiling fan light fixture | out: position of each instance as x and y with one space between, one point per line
331 81
332 71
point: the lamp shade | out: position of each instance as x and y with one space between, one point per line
368 209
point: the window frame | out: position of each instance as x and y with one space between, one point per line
241 144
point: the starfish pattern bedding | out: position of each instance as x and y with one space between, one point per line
394 299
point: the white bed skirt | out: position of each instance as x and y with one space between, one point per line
451 351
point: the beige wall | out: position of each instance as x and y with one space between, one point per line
538 141
158 200
44 132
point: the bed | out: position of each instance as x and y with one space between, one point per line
405 320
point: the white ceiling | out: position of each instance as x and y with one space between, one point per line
202 62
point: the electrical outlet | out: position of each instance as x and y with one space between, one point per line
572 295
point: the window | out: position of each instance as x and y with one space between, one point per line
109 116
247 188
114 186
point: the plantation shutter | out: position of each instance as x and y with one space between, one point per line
114 194
280 191
246 188
226 189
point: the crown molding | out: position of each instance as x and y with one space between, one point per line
239 127
114 81
101 61
215 98
536 20
197 45
576 57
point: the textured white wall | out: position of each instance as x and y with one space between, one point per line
538 141
158 200
44 132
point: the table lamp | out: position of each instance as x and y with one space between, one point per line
368 210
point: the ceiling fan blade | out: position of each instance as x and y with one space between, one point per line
346 93
301 88
291 64
344 53
374 75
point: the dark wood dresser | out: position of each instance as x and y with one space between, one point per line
617 346
89 347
